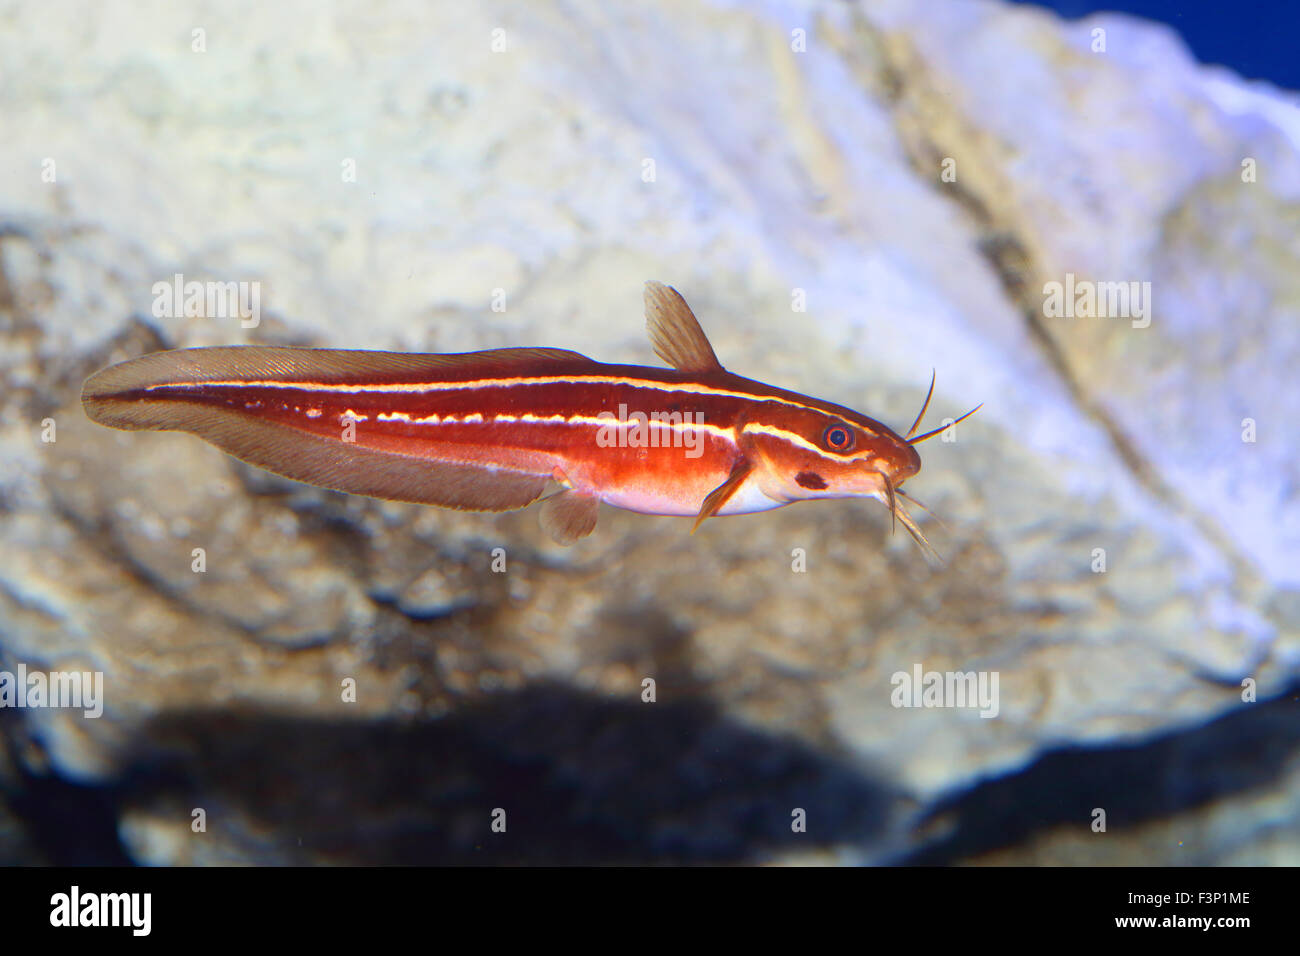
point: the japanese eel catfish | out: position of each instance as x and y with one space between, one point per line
487 431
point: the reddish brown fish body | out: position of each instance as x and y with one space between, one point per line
488 430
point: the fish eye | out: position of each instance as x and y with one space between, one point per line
838 438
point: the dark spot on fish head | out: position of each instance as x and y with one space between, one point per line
812 480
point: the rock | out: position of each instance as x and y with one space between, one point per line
1118 580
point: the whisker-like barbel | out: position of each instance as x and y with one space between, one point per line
942 428
924 405
909 523
937 520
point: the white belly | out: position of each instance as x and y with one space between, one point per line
747 499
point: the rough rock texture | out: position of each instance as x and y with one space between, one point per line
785 167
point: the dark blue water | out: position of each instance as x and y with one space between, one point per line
1260 39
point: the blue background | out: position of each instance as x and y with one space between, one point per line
1260 39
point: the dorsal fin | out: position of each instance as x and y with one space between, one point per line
674 331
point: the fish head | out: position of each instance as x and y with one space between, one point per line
810 453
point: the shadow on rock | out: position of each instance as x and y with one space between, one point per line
582 779
1244 750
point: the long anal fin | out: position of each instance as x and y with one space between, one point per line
674 331
330 462
569 516
721 494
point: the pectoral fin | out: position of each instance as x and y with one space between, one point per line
675 332
721 494
569 516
